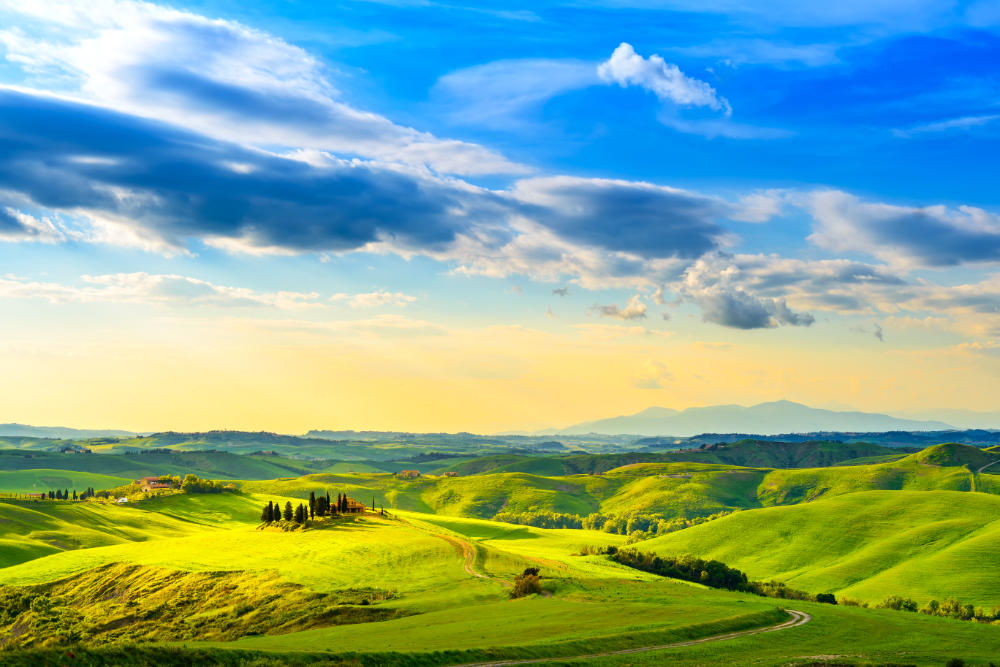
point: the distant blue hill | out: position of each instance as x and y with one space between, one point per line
764 418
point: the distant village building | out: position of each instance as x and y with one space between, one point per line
408 474
150 483
451 473
36 495
122 501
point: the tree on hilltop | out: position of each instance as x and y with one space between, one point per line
266 516
288 511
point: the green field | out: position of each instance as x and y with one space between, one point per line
868 545
44 480
429 583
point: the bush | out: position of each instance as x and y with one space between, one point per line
898 603
826 598
526 583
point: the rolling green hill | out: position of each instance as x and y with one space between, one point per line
679 489
869 545
746 453
43 480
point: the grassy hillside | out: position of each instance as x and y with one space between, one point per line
669 489
29 530
42 480
746 453
213 465
867 545
204 572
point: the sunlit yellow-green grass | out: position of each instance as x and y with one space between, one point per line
869 545
670 489
45 480
32 529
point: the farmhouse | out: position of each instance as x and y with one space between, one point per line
149 483
354 507
451 473
408 474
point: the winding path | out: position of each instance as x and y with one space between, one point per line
797 618
987 466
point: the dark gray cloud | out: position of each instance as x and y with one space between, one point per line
637 218
934 236
64 155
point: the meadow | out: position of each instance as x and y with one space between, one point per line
196 577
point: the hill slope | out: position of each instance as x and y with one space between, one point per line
866 545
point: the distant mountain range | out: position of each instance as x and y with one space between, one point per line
61 432
764 418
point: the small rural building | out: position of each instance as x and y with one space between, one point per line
354 507
408 474
148 483
451 473
121 501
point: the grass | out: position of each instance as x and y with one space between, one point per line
198 560
30 530
866 545
42 480
838 636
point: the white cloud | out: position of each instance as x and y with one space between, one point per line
16 226
962 123
635 309
145 288
656 375
220 78
665 80
374 299
499 93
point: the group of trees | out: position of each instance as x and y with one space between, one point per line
637 526
273 512
319 506
195 484
950 608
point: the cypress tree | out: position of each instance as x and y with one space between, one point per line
265 516
288 511
65 494
320 506
74 494
312 511
312 503
327 501
300 514
373 503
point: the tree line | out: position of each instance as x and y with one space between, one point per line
711 573
637 526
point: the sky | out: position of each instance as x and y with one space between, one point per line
429 216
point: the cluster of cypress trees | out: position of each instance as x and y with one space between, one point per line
321 505
59 494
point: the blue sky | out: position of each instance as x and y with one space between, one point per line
646 183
